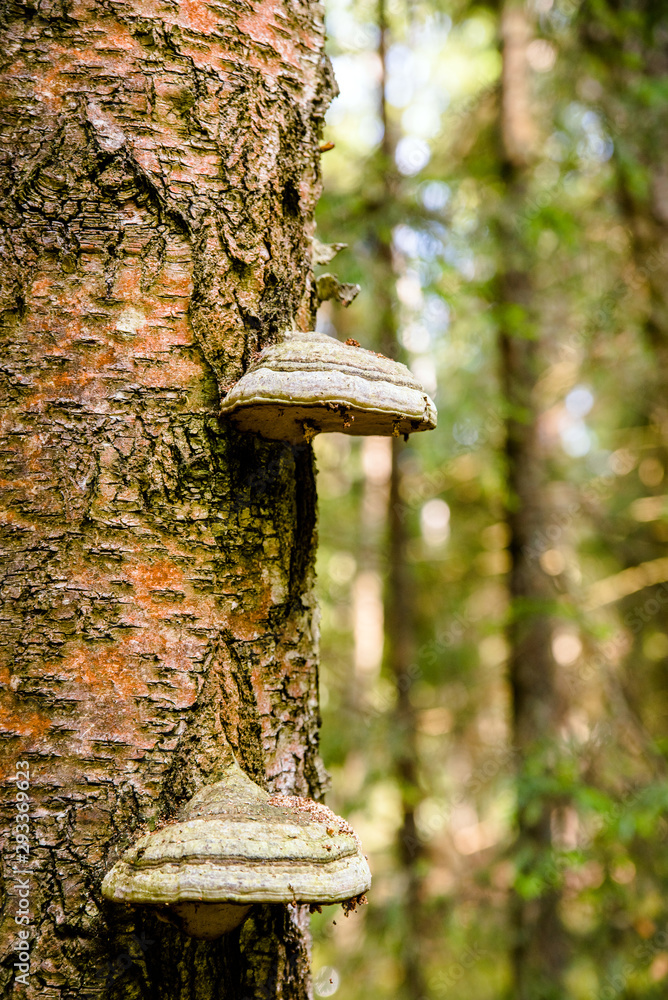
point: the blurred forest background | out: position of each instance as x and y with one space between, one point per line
495 593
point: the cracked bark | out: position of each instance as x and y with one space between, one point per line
158 175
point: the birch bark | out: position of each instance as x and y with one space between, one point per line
158 175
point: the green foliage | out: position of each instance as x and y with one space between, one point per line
589 226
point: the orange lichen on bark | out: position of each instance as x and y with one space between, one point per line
97 671
15 721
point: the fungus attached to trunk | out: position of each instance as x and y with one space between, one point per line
310 382
235 845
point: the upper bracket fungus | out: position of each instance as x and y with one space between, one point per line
310 382
234 845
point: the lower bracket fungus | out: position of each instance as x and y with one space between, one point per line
235 845
310 382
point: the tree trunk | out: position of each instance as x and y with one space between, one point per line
399 608
159 173
539 946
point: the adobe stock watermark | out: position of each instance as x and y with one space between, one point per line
20 871
455 971
428 654
599 489
615 983
648 264
501 759
468 435
560 863
611 650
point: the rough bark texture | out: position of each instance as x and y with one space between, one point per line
539 944
158 174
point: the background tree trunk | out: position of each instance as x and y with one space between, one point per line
159 172
538 957
399 598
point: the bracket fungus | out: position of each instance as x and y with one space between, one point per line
310 382
234 845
